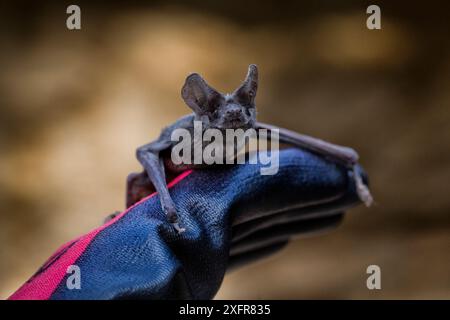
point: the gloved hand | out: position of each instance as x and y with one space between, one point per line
233 215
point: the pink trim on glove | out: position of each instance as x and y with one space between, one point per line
42 285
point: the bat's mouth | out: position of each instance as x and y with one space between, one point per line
235 124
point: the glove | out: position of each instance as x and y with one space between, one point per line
233 215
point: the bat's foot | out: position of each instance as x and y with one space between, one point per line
361 189
111 216
138 186
177 227
173 219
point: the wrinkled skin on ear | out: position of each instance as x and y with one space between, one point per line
230 111
199 96
246 93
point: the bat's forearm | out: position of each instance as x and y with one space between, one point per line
343 155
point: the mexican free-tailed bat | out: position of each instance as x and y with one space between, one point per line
220 111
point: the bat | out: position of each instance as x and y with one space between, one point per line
215 110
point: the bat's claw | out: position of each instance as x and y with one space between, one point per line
173 218
177 227
364 194
362 189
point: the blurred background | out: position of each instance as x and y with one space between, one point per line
74 105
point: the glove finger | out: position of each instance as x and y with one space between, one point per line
302 213
318 186
283 232
238 260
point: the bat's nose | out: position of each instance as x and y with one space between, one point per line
234 113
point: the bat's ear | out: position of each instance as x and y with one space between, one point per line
199 96
246 93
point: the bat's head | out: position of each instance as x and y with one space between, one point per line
222 111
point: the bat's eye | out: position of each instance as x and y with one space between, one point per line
215 113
